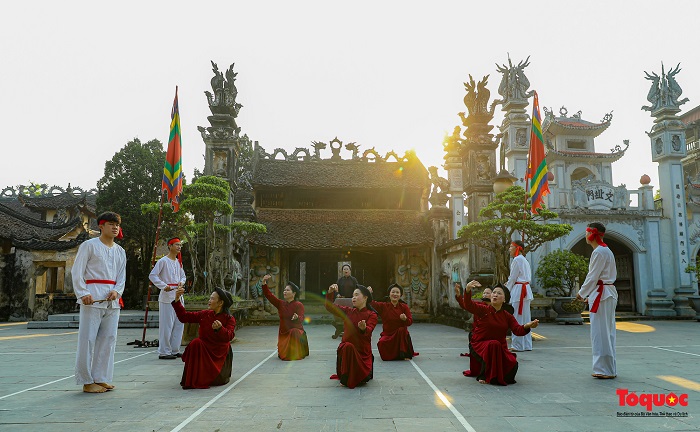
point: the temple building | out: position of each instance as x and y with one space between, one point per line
40 231
582 191
322 212
651 239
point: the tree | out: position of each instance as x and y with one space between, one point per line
133 177
207 200
560 271
507 214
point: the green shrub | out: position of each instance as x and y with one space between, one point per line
560 271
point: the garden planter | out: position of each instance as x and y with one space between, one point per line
568 310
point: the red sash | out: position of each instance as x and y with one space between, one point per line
596 302
523 293
173 284
102 281
108 282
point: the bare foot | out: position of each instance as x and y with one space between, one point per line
93 388
482 381
105 385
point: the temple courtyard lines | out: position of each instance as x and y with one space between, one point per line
555 391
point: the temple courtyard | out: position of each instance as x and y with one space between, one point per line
554 392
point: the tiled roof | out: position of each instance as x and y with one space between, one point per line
21 219
340 174
589 156
34 244
341 229
63 200
568 125
20 227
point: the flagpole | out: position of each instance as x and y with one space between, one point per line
153 262
527 173
175 115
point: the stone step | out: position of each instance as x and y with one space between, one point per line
127 319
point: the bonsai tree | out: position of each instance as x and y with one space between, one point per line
559 271
507 214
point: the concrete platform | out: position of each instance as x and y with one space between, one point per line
555 391
127 319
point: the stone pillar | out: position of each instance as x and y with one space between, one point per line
440 222
667 139
646 197
516 138
453 166
222 145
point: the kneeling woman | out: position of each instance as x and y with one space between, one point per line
498 364
292 343
355 362
208 358
395 341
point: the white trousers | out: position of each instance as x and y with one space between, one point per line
603 337
97 341
522 343
169 330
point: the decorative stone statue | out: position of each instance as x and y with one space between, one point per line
579 194
318 146
621 198
438 195
514 83
451 142
476 100
664 91
354 148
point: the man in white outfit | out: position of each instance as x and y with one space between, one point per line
168 276
99 275
520 294
602 301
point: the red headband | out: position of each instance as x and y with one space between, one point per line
119 236
596 236
179 255
518 248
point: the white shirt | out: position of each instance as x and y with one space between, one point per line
95 260
167 271
519 272
601 267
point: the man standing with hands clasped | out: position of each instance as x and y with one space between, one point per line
520 293
99 275
168 276
602 301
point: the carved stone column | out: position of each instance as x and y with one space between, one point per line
222 145
668 148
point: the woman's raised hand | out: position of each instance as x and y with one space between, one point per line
472 284
179 292
362 325
333 288
266 278
532 324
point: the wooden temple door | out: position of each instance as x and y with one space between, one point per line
625 283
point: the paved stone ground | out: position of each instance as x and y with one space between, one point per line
555 391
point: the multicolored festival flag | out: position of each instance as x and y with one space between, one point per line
172 171
536 162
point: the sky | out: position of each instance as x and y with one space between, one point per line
78 80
